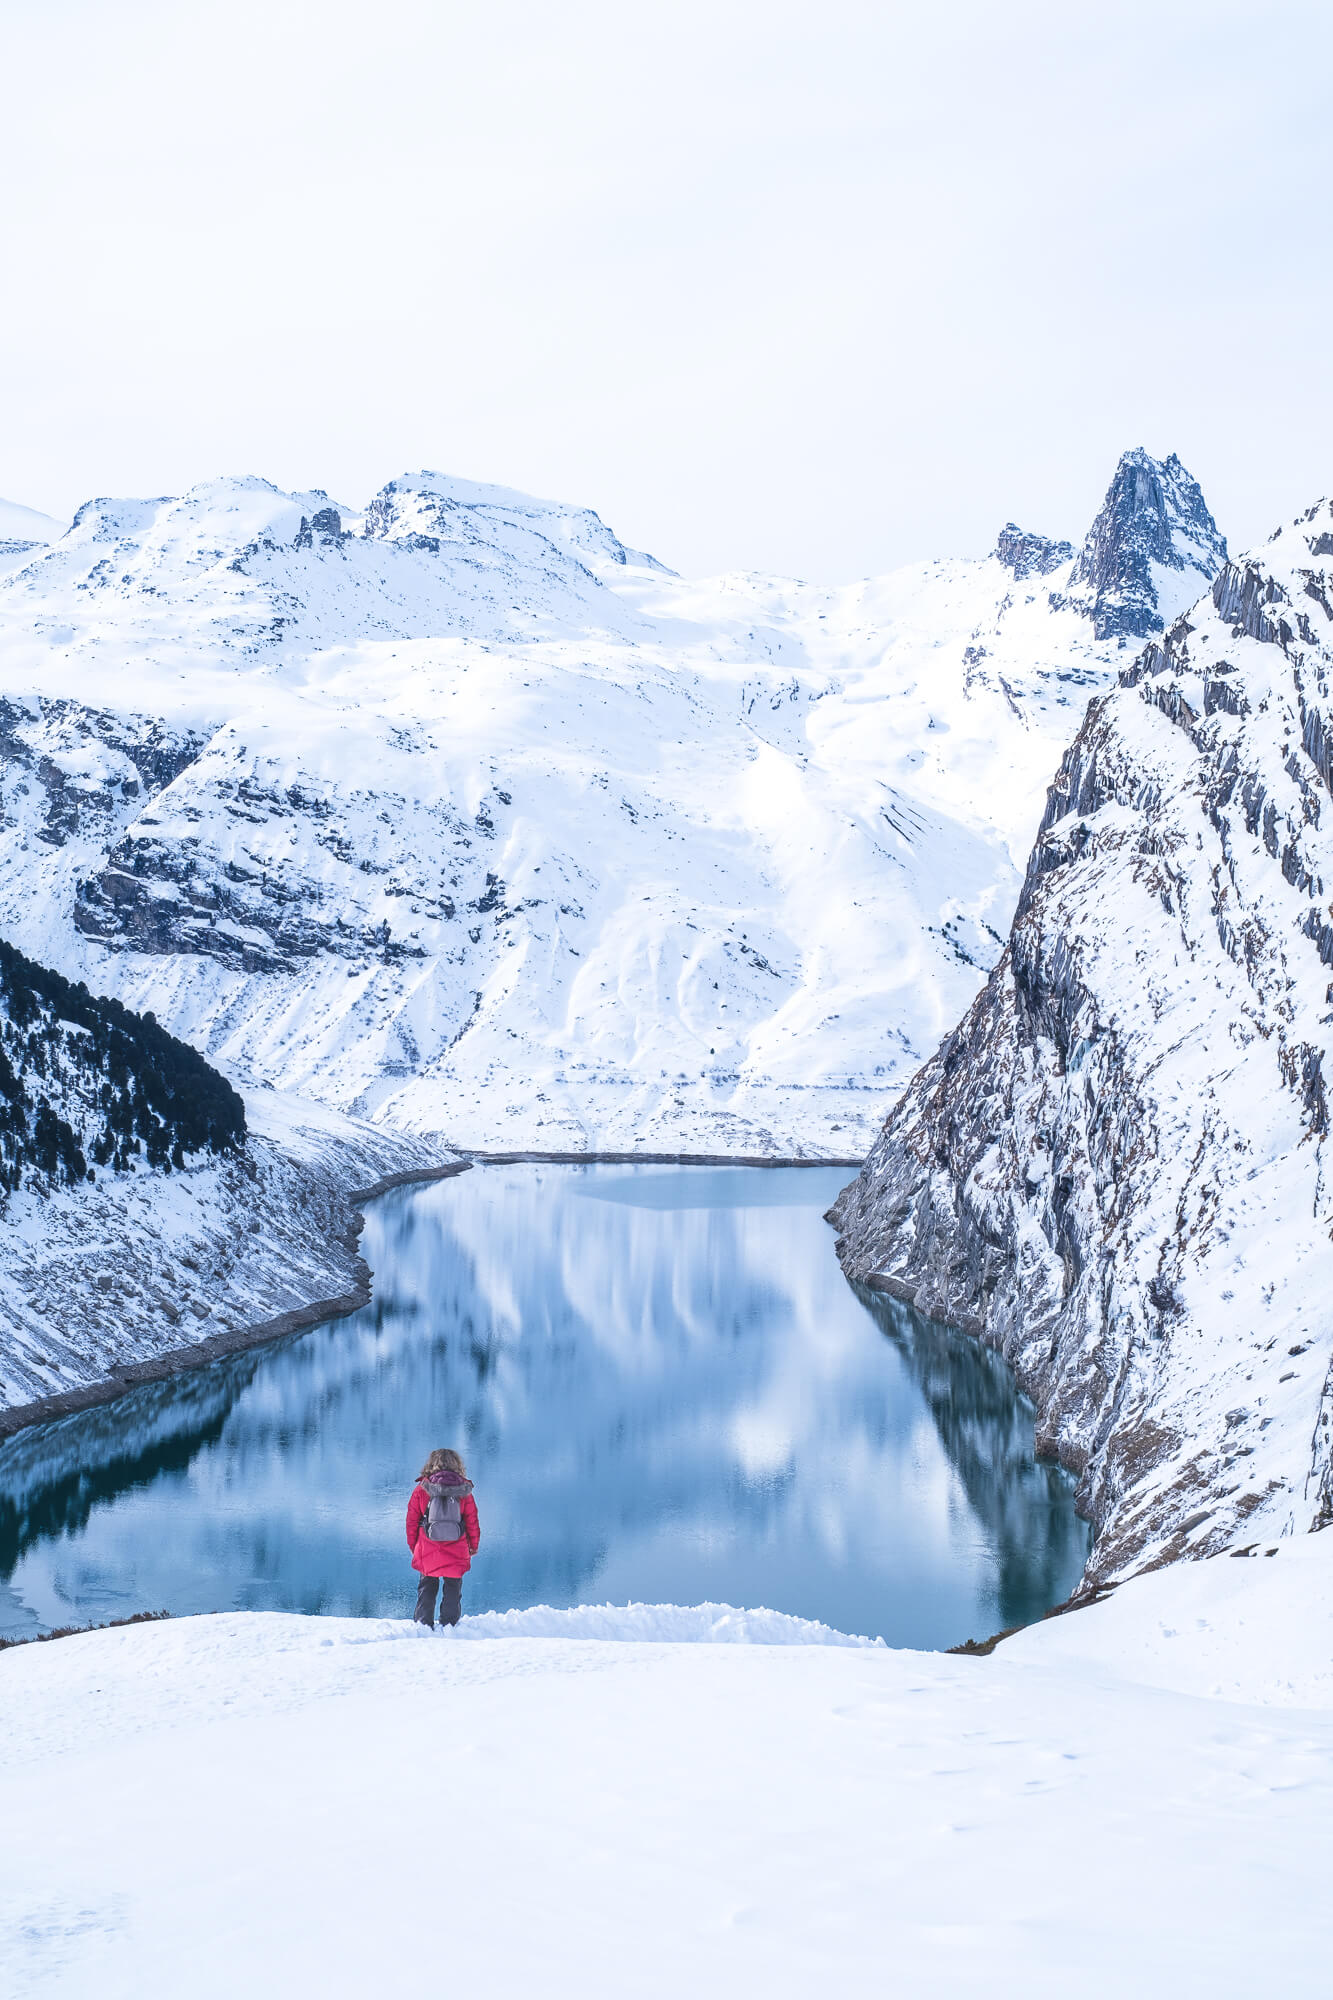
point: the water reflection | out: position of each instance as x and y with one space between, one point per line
663 1387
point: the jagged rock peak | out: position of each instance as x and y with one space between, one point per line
1028 555
326 522
1150 551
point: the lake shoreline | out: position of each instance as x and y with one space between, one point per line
504 1302
521 1159
177 1360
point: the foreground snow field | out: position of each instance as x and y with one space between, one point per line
1132 1799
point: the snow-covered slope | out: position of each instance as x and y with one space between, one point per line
23 529
84 1080
1131 1799
140 1218
1115 1168
462 816
129 1278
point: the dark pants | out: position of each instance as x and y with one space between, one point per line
451 1599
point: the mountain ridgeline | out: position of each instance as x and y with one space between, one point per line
1113 1169
457 813
87 1085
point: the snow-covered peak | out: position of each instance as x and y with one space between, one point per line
467 515
217 518
1150 550
238 568
1292 548
1280 594
26 527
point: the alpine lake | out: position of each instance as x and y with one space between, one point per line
665 1392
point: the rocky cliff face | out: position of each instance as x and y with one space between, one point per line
1114 1169
1149 552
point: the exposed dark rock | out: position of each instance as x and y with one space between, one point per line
1030 555
48 743
326 524
1154 517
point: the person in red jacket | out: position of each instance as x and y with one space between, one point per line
443 1484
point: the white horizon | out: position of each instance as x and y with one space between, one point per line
813 297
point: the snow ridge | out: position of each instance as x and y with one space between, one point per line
23 529
695 1625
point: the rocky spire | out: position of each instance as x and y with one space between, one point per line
1150 552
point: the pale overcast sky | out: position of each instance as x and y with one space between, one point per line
814 288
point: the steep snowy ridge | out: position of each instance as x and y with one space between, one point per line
1114 1169
460 815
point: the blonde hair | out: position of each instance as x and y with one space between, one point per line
443 1461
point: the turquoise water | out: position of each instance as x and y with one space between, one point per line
663 1387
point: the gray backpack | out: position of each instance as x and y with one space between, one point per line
444 1516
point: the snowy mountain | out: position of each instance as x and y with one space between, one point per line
461 816
129 1277
1114 1169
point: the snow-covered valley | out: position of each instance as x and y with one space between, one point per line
666 1002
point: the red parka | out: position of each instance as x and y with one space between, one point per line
441 1558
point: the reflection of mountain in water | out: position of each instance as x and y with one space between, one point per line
52 1477
655 1402
987 1431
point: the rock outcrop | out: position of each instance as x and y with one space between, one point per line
1149 552
1114 1168
1025 555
